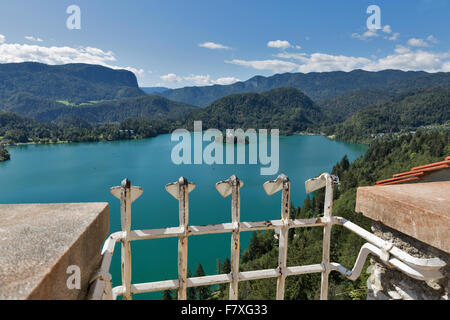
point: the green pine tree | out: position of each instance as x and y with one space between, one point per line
204 292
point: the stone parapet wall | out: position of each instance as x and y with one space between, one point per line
42 243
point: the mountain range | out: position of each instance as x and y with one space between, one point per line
317 86
347 104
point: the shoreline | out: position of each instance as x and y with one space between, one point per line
332 137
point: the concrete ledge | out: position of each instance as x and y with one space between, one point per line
420 210
39 243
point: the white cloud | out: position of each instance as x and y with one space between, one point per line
227 80
419 42
279 44
387 29
297 56
137 72
2 38
373 34
403 59
366 35
416 42
171 77
15 53
394 36
273 65
413 60
401 49
200 80
213 46
432 39
321 62
205 80
31 38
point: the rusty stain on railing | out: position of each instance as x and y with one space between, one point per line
101 284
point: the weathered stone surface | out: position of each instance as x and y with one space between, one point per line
40 241
420 210
386 283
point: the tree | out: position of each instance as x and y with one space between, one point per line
226 268
191 292
4 154
167 295
203 292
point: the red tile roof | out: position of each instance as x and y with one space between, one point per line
416 173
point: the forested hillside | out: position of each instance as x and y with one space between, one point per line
149 107
339 108
285 108
152 90
318 86
17 129
407 111
76 83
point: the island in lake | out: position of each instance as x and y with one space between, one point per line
231 138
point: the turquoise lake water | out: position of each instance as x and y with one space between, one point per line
84 172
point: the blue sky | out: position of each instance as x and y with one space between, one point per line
186 43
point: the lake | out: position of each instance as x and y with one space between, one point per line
84 172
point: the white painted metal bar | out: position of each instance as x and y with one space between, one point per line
295 271
328 205
180 190
223 228
127 195
271 187
125 215
235 238
219 279
101 285
155 286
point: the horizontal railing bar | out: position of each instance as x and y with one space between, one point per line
222 228
210 229
155 233
208 280
217 279
154 286
258 274
313 268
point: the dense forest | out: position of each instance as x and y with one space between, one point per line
76 83
406 112
353 106
316 85
286 109
17 129
382 159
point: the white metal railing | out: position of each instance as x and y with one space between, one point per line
101 284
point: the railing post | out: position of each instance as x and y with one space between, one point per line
127 195
233 186
271 187
328 206
283 240
180 190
